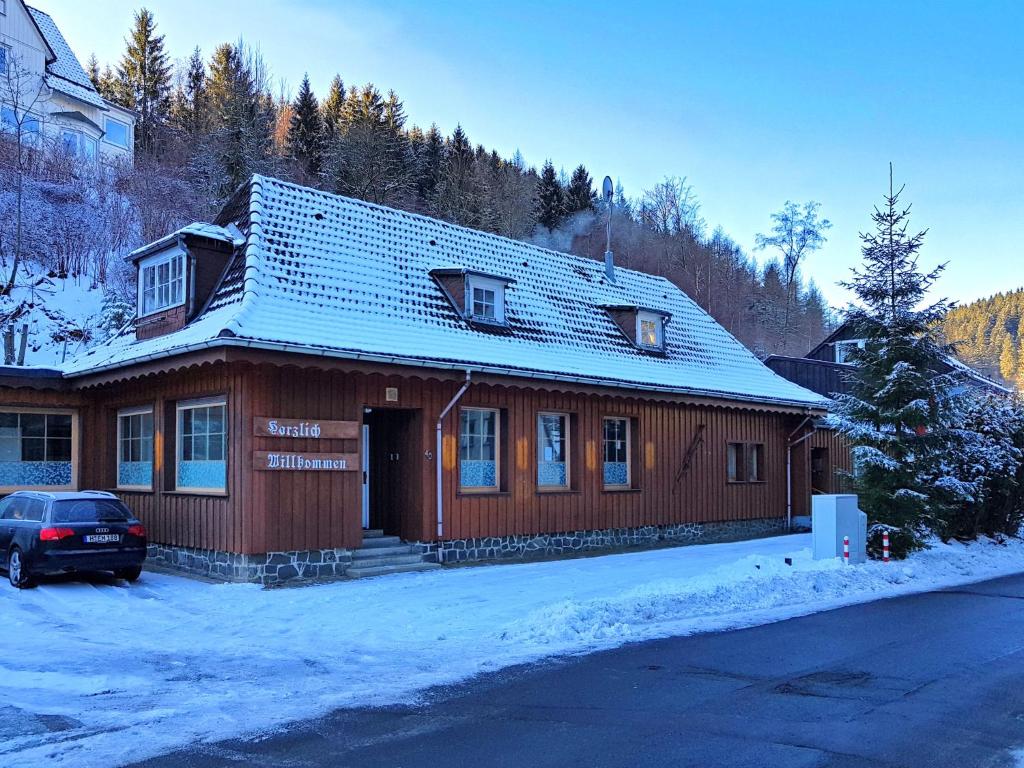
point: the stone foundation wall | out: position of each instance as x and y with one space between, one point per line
550 544
268 568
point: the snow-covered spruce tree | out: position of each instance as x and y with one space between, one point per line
896 414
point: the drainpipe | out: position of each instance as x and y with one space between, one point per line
439 458
790 445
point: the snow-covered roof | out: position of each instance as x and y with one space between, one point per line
329 275
65 73
230 235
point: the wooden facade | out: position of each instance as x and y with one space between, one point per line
678 453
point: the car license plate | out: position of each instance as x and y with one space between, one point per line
103 538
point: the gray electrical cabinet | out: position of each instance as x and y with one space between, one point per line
834 516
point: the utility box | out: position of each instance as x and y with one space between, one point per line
834 516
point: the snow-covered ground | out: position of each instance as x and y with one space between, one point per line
62 315
96 675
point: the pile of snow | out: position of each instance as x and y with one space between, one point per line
96 675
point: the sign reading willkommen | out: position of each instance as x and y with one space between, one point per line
305 462
306 429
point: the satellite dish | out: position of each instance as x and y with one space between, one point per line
608 188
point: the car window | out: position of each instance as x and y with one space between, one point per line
17 508
34 510
89 511
5 509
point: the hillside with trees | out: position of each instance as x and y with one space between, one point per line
207 124
987 335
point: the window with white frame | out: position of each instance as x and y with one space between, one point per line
37 449
161 282
116 133
485 299
844 349
552 450
135 448
4 54
3 9
478 449
615 441
650 330
202 446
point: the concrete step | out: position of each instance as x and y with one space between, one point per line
381 541
384 570
372 533
408 558
401 549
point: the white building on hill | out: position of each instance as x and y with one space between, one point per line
44 88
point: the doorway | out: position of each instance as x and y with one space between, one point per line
392 471
820 475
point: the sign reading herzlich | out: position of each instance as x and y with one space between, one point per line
305 462
306 429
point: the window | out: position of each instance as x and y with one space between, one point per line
9 123
553 450
745 462
22 508
483 303
36 450
3 12
478 449
650 330
485 299
844 348
89 147
3 52
135 448
161 282
616 440
202 446
116 132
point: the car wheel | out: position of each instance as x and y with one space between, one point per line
16 572
129 574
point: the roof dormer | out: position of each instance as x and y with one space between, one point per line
477 296
177 274
644 327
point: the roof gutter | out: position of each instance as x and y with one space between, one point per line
232 341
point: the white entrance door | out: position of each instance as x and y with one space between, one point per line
366 476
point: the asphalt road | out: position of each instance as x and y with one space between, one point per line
929 680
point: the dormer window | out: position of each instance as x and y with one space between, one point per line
161 282
645 328
650 330
486 299
479 298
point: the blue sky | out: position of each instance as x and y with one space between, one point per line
754 102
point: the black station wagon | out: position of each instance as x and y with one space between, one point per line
50 533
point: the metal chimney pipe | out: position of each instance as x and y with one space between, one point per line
609 258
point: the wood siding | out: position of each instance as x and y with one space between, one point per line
281 511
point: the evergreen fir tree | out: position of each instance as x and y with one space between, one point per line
145 80
1009 360
896 413
455 197
92 69
305 131
190 105
550 198
580 195
331 111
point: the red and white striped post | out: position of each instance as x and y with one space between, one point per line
885 546
846 550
